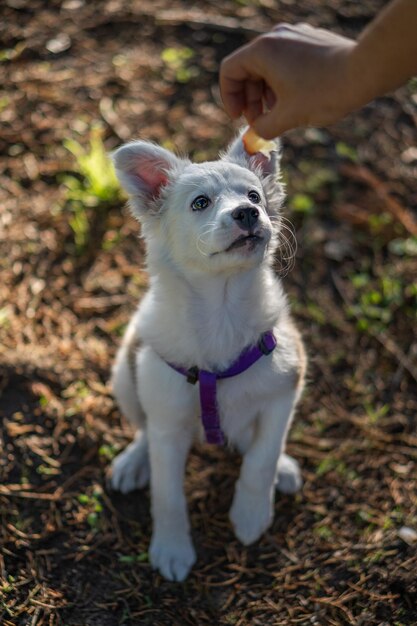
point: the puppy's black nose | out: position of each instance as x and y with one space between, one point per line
246 217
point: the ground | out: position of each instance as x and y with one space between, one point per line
79 78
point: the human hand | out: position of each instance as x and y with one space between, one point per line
292 76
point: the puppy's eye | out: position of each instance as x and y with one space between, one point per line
200 203
254 197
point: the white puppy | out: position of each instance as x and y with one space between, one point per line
214 306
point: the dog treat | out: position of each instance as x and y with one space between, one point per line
253 143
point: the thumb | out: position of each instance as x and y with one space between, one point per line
272 123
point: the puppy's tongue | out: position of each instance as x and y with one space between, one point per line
254 144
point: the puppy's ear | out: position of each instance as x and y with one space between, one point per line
144 169
263 164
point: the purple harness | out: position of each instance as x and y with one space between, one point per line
209 412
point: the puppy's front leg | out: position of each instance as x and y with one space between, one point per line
252 508
171 550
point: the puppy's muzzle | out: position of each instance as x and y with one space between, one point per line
246 217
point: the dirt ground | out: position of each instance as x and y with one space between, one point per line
77 76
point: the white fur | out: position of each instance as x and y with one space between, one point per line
205 304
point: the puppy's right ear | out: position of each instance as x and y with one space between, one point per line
265 164
144 169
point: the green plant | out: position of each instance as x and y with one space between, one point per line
11 54
346 151
375 413
80 226
378 300
131 559
333 464
93 185
316 313
302 203
4 317
4 103
316 176
108 452
99 181
177 61
323 531
412 85
77 389
93 508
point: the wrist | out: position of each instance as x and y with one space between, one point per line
363 77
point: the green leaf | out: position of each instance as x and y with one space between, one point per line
301 203
360 280
4 316
346 151
95 166
176 57
128 559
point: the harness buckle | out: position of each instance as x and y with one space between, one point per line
192 375
267 343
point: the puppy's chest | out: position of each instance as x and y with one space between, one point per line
217 342
208 327
220 334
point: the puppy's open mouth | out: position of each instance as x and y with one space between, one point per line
251 240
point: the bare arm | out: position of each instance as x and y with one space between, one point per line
386 53
303 76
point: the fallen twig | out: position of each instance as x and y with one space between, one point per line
228 24
364 175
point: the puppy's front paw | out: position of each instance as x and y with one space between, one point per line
251 513
173 556
289 478
130 469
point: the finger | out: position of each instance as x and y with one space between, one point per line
235 71
233 95
269 97
271 124
254 99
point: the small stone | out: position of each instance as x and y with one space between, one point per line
73 5
409 155
407 534
59 44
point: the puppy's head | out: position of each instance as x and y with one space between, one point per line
216 217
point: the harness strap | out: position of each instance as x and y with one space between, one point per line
208 383
209 413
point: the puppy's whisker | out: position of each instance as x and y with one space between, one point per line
200 243
204 233
286 246
207 229
200 250
210 226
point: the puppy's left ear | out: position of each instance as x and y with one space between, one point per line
263 164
